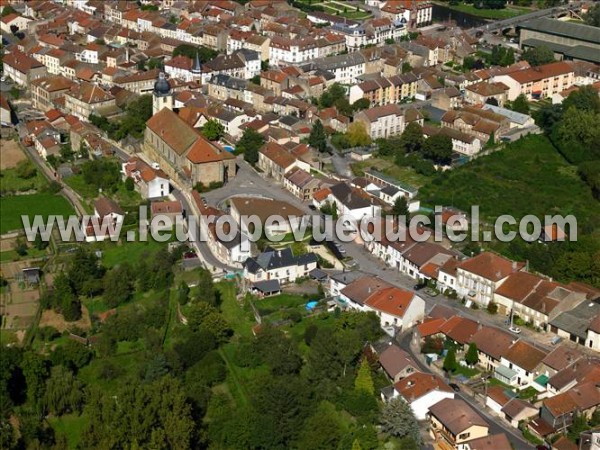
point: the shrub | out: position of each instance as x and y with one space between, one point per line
492 307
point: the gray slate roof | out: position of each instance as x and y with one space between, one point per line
578 319
566 29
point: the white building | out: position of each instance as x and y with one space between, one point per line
480 276
421 391
280 265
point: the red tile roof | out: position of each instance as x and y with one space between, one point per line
393 301
490 266
418 384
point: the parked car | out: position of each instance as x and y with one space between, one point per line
312 207
455 387
555 340
514 329
419 286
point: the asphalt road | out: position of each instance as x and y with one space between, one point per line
495 426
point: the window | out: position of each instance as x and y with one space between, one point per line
464 436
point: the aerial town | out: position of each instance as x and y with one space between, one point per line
143 141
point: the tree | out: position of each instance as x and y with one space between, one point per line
398 419
73 355
357 135
317 137
249 144
438 148
64 392
25 169
7 10
118 285
406 67
538 56
205 54
492 307
212 130
35 371
118 421
331 95
520 104
450 364
591 18
472 355
322 430
412 139
585 98
20 247
360 104
400 208
183 293
364 381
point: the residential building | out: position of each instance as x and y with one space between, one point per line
396 363
338 281
453 423
301 183
353 202
491 442
491 344
276 161
477 122
86 99
421 391
535 299
463 143
356 293
395 307
281 265
384 121
581 324
517 120
150 181
243 209
480 276
558 411
520 363
22 68
486 92
538 82
47 92
382 90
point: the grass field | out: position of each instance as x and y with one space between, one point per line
527 177
240 319
122 196
387 166
70 426
10 182
496 14
115 253
43 204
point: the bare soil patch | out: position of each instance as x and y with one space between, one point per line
10 154
53 319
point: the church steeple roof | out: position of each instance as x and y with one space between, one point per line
197 68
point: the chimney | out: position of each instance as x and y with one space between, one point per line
514 265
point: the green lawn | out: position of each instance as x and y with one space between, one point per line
115 253
387 166
44 204
78 184
10 182
239 318
497 14
32 253
70 426
527 177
